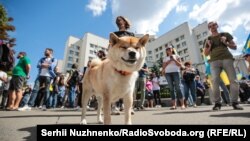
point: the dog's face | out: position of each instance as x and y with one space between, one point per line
127 53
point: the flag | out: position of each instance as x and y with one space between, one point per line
246 48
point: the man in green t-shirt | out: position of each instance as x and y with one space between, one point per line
221 59
19 75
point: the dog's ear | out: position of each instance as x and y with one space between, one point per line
113 39
143 40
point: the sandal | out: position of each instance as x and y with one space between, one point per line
173 108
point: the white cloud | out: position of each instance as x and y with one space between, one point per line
97 6
145 15
181 8
230 14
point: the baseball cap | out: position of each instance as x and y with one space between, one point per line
169 46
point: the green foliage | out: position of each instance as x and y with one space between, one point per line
156 67
165 92
3 15
5 27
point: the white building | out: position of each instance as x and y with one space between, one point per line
187 41
81 50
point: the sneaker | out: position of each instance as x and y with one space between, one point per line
236 106
132 112
77 108
24 108
44 108
217 107
195 106
115 111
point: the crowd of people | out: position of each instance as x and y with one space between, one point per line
52 89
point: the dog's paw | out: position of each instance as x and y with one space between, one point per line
100 121
83 122
128 123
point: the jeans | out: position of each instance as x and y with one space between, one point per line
53 100
24 100
216 68
189 86
173 80
225 95
40 79
72 96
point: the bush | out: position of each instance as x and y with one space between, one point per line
165 92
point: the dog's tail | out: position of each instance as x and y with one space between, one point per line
95 62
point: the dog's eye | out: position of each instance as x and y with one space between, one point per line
123 47
137 48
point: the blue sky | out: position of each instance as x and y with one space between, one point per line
44 24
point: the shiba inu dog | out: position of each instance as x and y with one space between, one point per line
114 77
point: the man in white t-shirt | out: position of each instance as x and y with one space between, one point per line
3 80
46 66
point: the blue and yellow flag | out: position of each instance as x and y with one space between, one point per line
246 48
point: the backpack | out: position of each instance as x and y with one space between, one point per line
7 58
74 79
188 76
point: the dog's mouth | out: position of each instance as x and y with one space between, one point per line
131 61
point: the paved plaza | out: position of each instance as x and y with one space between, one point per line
18 126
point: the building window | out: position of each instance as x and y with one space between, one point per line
92 45
77 53
149 52
200 43
91 52
161 54
156 50
160 48
186 58
185 51
157 55
77 60
182 37
198 36
184 43
71 52
178 46
177 40
204 34
69 65
70 58
180 52
150 58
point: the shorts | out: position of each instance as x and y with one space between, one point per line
17 82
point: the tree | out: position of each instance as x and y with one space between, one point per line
5 27
157 66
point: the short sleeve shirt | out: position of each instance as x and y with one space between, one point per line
171 67
219 50
19 69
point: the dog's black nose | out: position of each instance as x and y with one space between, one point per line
132 54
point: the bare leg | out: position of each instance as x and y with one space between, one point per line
18 98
